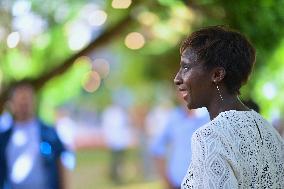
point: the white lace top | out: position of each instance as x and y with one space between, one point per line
237 149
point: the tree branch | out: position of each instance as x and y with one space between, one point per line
96 43
106 37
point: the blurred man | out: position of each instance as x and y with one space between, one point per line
117 133
278 123
172 147
30 151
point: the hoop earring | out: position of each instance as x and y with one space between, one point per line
219 92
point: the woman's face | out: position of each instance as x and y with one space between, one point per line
193 81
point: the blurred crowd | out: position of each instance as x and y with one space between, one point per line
34 154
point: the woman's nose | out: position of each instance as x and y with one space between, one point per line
177 79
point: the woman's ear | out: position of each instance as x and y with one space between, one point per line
218 74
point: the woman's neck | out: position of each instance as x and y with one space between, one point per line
228 102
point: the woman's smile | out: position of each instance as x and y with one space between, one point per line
184 93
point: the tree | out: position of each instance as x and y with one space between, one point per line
45 54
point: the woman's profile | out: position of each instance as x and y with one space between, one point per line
238 148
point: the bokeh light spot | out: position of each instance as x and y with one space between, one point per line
68 159
269 91
97 18
121 4
13 39
21 7
102 67
91 81
22 168
84 61
19 138
134 40
147 18
79 35
45 148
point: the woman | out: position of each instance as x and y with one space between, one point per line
237 148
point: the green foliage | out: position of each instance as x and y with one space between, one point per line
271 99
17 65
61 89
164 24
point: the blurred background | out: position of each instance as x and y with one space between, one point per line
103 72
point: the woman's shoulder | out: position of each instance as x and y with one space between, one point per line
222 125
208 131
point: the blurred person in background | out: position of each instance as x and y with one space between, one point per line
155 122
278 123
65 127
171 147
138 114
30 151
117 133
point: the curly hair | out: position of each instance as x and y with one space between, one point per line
220 46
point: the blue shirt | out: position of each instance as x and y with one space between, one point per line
174 143
25 167
50 148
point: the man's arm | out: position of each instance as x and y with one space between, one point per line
63 175
159 149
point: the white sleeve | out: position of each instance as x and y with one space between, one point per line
208 168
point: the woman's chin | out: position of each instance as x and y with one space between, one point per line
189 105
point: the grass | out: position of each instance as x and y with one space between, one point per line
92 172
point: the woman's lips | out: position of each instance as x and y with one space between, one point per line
184 94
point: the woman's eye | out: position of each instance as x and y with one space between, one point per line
185 68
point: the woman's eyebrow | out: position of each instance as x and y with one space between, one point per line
185 60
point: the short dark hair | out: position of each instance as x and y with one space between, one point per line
220 46
251 104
